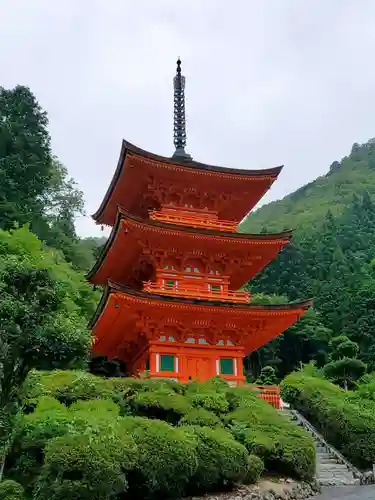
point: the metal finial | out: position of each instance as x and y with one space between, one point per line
179 122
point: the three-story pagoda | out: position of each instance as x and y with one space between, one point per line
174 264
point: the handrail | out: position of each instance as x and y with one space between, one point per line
341 459
197 292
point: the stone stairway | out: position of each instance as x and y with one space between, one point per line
332 469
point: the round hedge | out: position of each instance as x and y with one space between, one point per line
167 459
11 490
160 404
221 460
50 419
201 417
255 468
85 467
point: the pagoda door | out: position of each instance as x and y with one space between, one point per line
199 368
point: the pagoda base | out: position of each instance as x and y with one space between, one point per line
183 362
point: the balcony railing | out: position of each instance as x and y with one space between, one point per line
193 220
196 292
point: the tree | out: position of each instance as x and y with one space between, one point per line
40 324
344 368
345 371
25 157
267 376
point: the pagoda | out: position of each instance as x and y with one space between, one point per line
174 266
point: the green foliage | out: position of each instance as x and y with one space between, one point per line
345 371
25 157
11 490
366 387
201 417
39 323
307 340
69 386
160 404
80 468
308 206
74 427
210 401
330 259
167 459
267 376
345 421
344 349
49 420
344 368
285 448
255 469
221 460
210 395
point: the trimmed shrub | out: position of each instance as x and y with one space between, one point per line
284 447
210 401
255 468
222 461
96 407
11 490
202 418
49 420
82 468
162 405
70 386
210 395
346 423
167 459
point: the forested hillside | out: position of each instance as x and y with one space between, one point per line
334 191
331 259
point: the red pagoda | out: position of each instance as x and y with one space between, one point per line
174 264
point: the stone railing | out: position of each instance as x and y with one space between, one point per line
322 442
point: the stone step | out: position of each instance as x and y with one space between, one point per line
326 461
332 467
329 470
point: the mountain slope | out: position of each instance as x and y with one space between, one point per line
308 205
331 258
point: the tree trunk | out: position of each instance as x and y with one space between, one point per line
2 465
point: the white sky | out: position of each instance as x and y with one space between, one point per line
269 82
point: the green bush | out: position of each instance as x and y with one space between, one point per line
255 468
70 386
167 459
210 395
222 461
160 404
366 387
49 420
129 386
284 447
11 490
81 468
96 407
75 442
210 401
346 423
202 418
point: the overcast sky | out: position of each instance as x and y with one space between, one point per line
269 82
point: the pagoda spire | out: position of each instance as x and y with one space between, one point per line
179 122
